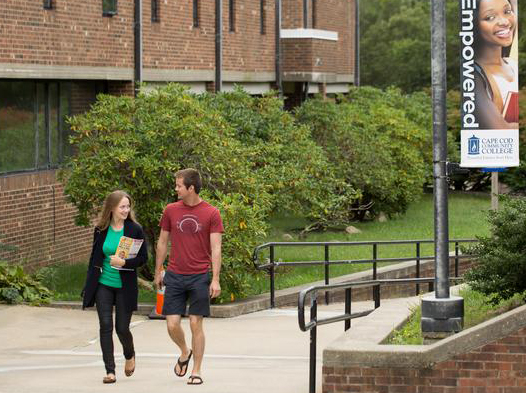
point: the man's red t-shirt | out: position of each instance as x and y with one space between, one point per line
190 228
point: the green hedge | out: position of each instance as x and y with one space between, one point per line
378 142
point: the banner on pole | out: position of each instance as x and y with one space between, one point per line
489 83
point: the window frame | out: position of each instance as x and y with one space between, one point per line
195 14
232 16
48 4
156 8
262 17
112 12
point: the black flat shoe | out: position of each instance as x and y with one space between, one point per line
129 371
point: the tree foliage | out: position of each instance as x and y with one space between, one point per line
284 157
253 157
395 44
137 145
378 148
501 257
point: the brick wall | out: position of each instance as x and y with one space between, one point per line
37 220
496 367
315 55
73 33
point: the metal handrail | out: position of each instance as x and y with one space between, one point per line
272 264
347 315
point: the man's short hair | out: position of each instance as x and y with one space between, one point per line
190 177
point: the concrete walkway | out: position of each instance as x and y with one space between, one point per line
56 350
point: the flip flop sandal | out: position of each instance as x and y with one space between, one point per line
183 366
109 379
193 378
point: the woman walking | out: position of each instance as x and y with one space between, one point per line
112 281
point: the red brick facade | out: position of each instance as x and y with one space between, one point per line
38 221
73 33
317 55
74 42
496 367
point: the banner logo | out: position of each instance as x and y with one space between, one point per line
473 145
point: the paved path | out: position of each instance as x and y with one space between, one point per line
55 350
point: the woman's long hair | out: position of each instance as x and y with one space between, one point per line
476 33
110 203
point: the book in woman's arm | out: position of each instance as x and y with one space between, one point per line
128 248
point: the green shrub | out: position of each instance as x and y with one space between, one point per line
244 225
282 154
16 286
377 147
516 177
501 257
137 145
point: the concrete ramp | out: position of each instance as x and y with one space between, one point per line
47 350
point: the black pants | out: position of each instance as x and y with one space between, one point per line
105 298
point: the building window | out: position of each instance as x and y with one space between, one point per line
155 11
48 4
195 13
109 7
232 15
262 16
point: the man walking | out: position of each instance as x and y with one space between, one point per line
194 229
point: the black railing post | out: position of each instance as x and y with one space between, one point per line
417 266
272 276
347 308
376 295
312 359
327 272
456 259
375 256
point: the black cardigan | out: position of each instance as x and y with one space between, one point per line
128 277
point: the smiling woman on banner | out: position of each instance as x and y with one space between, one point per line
112 280
496 76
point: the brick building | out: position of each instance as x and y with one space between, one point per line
57 55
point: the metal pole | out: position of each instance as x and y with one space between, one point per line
137 29
375 256
327 272
347 308
357 43
456 259
272 300
442 314
376 295
312 358
219 46
417 266
495 191
438 79
278 48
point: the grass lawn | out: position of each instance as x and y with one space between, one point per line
477 309
67 282
467 219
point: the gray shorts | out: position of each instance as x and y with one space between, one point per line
183 288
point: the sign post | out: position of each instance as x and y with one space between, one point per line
442 314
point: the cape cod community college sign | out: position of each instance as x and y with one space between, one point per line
489 83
